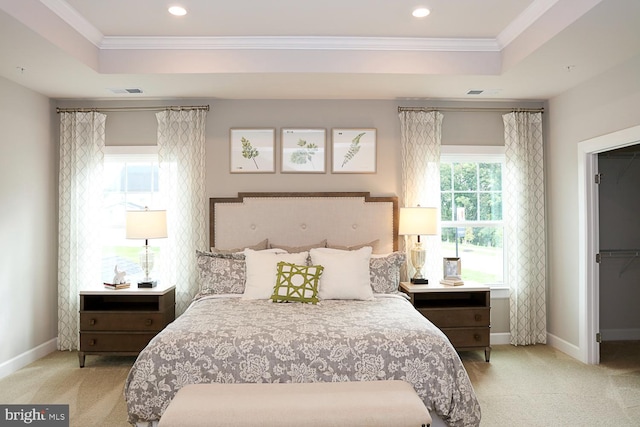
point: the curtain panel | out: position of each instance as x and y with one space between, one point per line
421 133
82 138
181 156
525 236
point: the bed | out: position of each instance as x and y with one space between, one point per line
337 326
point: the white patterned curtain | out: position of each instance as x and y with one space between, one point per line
420 149
80 205
525 226
181 152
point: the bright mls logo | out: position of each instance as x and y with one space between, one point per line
34 415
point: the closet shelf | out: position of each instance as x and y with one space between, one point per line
632 254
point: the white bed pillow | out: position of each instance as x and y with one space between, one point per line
345 275
262 267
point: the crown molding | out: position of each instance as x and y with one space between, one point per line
75 20
523 21
301 43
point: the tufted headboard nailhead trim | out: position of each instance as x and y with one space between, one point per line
296 219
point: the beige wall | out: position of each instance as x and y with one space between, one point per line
459 128
28 227
600 106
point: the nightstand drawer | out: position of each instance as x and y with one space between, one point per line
457 317
114 342
122 321
468 337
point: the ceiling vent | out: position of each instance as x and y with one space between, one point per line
125 90
475 92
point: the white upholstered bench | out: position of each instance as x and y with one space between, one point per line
339 404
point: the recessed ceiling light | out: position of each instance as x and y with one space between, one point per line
421 12
177 10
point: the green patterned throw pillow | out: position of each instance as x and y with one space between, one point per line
297 283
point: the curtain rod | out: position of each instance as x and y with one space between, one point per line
472 109
113 109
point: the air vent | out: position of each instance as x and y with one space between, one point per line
475 92
126 90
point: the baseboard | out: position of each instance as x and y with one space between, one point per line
500 338
29 356
564 346
620 334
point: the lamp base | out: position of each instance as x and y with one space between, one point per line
419 281
147 284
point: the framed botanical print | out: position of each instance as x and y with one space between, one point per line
303 150
252 150
353 151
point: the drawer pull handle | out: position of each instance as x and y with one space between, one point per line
92 342
148 322
478 317
92 322
476 337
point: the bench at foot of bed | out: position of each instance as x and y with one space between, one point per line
366 403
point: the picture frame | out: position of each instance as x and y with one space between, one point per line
353 150
303 150
252 150
452 268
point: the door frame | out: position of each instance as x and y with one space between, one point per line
588 236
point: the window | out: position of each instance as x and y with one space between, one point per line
130 183
471 210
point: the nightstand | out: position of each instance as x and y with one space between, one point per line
123 321
461 312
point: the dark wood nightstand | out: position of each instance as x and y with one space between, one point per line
122 322
461 312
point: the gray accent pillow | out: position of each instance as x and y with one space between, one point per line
384 272
296 249
220 273
373 244
257 247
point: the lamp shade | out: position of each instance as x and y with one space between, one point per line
418 221
146 224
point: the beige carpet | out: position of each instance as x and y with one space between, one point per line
540 386
522 386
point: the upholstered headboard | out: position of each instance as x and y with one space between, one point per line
296 219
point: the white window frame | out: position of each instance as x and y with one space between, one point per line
478 154
131 153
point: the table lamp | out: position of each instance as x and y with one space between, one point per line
146 224
418 221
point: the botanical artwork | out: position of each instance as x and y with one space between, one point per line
354 151
303 150
252 150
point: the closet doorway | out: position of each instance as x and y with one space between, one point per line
619 250
589 239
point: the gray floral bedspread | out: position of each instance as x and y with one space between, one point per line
230 340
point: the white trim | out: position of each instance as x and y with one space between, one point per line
415 44
563 346
78 22
523 21
500 338
515 28
588 280
476 153
29 356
